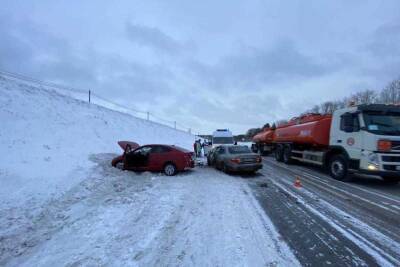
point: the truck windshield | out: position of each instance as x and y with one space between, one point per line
385 124
223 140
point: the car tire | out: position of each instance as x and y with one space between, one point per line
286 155
338 168
391 180
170 169
279 154
224 168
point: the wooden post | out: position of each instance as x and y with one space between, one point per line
89 96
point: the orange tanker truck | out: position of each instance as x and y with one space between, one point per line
359 139
263 141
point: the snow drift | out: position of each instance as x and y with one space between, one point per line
46 139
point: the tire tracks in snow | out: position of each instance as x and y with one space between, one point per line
359 224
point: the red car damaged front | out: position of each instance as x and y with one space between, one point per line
157 157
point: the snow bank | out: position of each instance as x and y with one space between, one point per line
46 139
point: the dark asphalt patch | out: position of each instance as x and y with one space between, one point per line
313 241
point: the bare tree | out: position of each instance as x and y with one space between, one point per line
267 125
391 93
252 132
365 97
328 107
315 109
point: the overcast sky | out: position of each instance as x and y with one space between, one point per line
206 64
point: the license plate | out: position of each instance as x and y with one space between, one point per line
249 160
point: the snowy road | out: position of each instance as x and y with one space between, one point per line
327 222
119 218
207 218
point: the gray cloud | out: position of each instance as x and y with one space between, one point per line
153 38
253 68
206 65
385 41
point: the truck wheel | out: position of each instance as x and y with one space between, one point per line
287 154
338 168
279 154
391 180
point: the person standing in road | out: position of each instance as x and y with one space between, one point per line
195 148
198 148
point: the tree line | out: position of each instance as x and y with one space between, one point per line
390 94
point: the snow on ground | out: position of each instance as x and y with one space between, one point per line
62 204
46 139
114 217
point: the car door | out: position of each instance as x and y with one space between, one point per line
137 159
219 156
157 157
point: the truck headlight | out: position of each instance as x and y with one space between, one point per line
373 158
372 167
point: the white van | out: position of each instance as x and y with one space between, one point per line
222 137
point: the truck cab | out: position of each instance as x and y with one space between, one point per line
369 138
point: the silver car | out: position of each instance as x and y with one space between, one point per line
234 158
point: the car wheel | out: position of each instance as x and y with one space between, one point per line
170 169
391 180
338 168
224 168
279 153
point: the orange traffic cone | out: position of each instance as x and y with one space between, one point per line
297 182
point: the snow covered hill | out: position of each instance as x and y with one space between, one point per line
47 139
62 204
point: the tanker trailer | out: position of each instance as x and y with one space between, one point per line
358 139
262 142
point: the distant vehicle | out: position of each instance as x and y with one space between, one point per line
166 158
222 137
358 139
234 158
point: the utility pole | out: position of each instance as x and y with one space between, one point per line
89 96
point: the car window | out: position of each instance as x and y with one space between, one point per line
160 149
143 150
349 123
238 149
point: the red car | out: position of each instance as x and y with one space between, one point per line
166 158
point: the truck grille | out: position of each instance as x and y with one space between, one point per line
390 159
395 145
390 167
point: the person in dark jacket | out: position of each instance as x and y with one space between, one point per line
195 148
